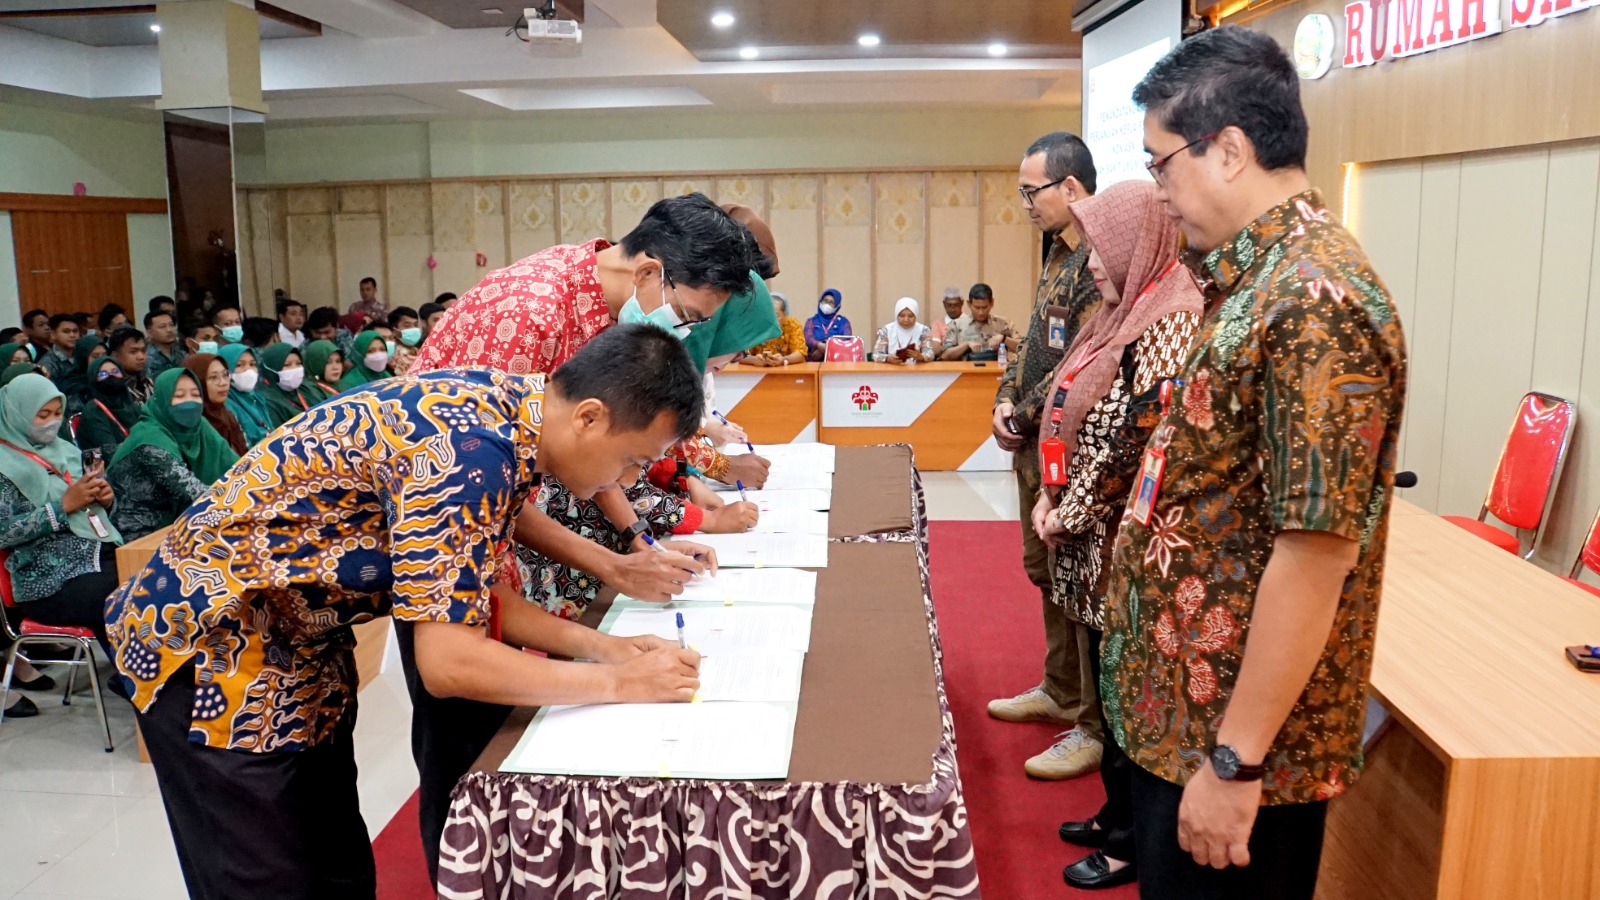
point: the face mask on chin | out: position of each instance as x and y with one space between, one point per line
663 317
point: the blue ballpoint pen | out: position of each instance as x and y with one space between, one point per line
724 421
740 485
683 642
653 545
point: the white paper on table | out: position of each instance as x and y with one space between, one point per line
811 455
792 521
767 676
793 586
715 631
754 550
796 478
667 740
772 501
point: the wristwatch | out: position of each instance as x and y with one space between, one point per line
1226 763
639 526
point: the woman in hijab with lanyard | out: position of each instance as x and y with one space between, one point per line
111 410
283 378
53 516
828 322
320 381
170 458
74 381
1106 398
905 340
212 372
369 362
244 377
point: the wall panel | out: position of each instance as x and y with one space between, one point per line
901 239
454 237
953 228
1010 257
847 250
792 216
407 280
358 242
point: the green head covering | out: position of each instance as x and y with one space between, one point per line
11 372
75 381
270 360
202 450
20 401
744 321
250 409
283 404
358 373
317 354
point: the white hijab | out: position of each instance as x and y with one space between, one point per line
900 336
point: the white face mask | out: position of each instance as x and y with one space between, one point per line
245 381
289 379
828 309
377 360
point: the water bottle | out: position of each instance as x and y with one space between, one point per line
1000 358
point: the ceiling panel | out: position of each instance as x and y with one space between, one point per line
908 28
473 13
119 29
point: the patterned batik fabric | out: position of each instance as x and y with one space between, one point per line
395 498
1288 420
791 339
1105 462
152 488
531 316
1066 281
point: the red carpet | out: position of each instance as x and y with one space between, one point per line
993 647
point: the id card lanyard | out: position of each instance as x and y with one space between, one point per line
1152 468
95 521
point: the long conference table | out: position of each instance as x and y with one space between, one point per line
872 804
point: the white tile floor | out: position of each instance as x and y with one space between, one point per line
77 822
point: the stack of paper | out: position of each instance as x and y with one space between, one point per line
719 630
773 501
796 587
667 740
756 550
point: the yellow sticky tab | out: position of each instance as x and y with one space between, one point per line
663 771
695 698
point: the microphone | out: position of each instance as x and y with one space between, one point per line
1405 479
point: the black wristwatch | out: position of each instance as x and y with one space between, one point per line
1226 763
639 526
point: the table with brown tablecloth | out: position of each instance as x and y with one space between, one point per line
872 806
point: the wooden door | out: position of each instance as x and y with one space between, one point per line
72 261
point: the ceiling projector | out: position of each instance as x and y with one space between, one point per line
551 31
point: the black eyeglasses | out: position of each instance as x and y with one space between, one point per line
687 324
1156 165
1028 192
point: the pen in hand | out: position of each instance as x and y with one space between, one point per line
739 483
653 544
683 642
720 418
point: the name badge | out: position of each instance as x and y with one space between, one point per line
98 525
1150 472
1056 327
1053 461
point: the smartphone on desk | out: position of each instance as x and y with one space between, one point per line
1585 657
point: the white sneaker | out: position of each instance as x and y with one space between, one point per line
1032 705
1073 754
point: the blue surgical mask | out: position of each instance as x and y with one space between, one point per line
411 336
390 345
207 347
233 334
663 317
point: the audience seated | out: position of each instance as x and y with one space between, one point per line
73 381
828 322
211 371
322 324
110 409
905 340
53 516
400 361
36 325
64 335
260 332
788 348
955 316
164 349
980 336
324 368
229 322
407 325
369 362
23 353
430 314
10 373
246 406
171 457
282 376
291 319
112 316
369 305
129 349
199 335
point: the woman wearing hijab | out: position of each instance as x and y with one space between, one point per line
22 354
1104 403
827 323
905 340
74 381
370 362
243 401
212 372
53 516
111 409
170 458
324 368
283 380
15 369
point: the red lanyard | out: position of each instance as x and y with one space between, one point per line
41 461
112 416
1089 355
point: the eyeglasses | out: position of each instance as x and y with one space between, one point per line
1156 165
1028 192
684 312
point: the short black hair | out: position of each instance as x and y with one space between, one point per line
59 319
370 280
109 312
32 314
698 244
322 317
190 325
399 312
981 291
123 335
153 315
639 372
444 298
162 300
7 334
428 309
259 331
219 310
1066 155
287 303
1230 76
83 319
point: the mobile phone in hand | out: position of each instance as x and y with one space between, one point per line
1011 426
94 462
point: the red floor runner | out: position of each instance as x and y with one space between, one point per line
993 646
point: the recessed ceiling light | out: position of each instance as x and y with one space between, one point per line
997 49
868 40
748 53
722 19
492 11
156 28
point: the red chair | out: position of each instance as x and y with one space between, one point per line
33 633
1525 478
1588 558
72 423
845 348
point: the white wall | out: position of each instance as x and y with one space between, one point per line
10 311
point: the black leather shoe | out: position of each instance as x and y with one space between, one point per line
39 682
22 709
1085 833
1093 872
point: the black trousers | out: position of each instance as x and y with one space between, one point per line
259 826
1116 770
447 737
80 602
1285 850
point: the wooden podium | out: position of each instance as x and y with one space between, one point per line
1486 783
